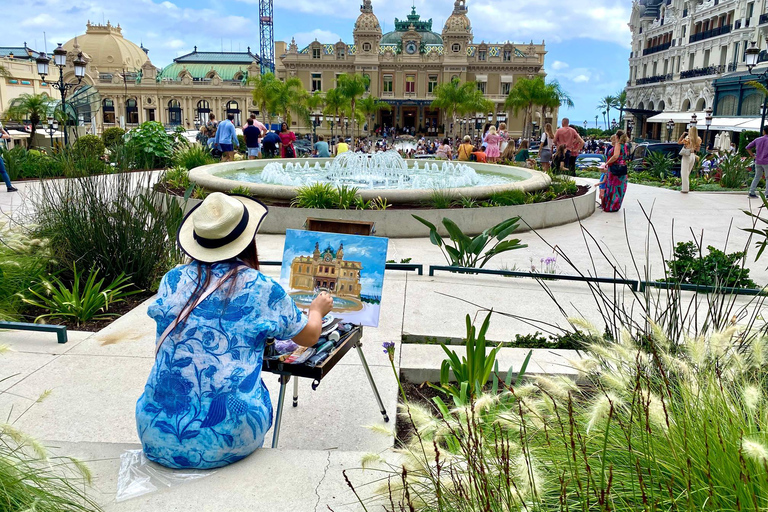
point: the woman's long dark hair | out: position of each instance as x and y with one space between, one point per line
283 129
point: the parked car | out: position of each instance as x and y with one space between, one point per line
303 147
671 149
587 160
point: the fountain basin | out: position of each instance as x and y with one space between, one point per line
220 177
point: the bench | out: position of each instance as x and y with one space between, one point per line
60 330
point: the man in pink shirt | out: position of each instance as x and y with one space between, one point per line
258 124
573 144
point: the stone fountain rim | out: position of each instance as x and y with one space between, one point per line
205 177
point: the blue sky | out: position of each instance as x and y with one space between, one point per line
371 251
587 40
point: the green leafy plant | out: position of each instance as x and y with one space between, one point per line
440 199
21 163
744 139
716 269
316 195
473 370
762 243
192 156
74 163
347 196
734 171
242 146
118 225
563 184
24 261
87 299
89 146
659 165
509 198
362 204
113 136
241 190
176 178
464 251
379 203
467 202
199 192
152 147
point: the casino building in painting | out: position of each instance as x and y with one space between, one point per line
327 269
406 65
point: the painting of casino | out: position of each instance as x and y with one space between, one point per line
349 267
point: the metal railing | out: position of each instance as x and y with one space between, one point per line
707 34
654 79
658 48
709 70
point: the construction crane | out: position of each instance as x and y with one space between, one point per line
267 42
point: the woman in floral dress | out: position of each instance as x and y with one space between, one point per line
493 140
616 180
204 404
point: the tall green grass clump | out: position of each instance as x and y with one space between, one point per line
734 171
192 156
316 195
114 224
24 262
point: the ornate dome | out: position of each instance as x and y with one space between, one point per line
367 21
424 28
458 20
107 48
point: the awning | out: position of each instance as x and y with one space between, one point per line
722 123
676 117
481 78
15 134
751 125
507 79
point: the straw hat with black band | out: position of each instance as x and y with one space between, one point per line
221 227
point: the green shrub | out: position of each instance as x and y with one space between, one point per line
193 156
317 195
659 165
241 190
117 225
715 269
176 178
151 147
734 171
24 262
463 251
440 199
89 146
347 196
563 185
87 299
32 164
179 139
467 202
509 198
744 139
76 164
113 136
242 147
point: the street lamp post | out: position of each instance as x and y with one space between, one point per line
53 127
60 61
752 55
670 127
630 125
596 117
585 125
614 125
708 122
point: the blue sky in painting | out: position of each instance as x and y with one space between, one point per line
587 40
369 250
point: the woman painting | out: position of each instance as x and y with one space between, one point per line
204 404
545 149
444 151
492 142
465 149
616 180
691 144
287 138
560 160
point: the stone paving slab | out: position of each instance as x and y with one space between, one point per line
41 342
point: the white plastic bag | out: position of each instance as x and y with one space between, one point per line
139 476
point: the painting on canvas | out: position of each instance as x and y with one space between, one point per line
349 267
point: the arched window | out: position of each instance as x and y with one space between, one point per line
174 112
108 111
662 105
727 105
687 106
210 75
203 109
234 108
650 106
238 76
701 105
131 112
641 106
750 105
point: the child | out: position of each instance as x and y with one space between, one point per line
603 183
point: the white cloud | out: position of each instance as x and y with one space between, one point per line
581 78
324 36
558 65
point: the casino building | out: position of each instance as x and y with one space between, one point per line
327 269
406 65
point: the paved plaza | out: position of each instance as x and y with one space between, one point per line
95 379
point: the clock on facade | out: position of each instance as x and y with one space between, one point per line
327 257
410 47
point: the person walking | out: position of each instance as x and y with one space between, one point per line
287 138
573 143
258 124
545 149
252 135
226 138
691 144
616 181
204 403
210 129
492 145
4 135
465 149
758 149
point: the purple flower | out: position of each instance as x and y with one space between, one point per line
389 348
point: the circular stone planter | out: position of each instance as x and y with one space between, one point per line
208 176
399 223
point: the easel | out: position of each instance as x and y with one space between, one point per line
351 339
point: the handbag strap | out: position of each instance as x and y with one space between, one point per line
188 309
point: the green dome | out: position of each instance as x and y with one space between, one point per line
424 28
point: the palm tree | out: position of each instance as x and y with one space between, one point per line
261 86
315 104
32 107
475 102
526 94
621 102
453 98
288 97
554 97
336 105
353 87
370 106
606 104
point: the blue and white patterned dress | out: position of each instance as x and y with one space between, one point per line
204 404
